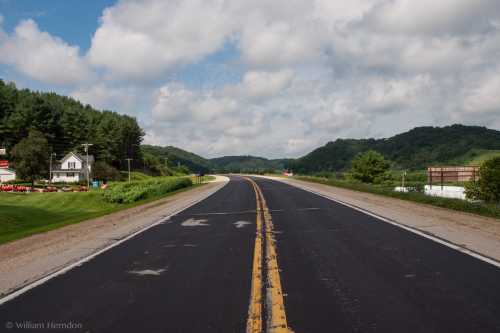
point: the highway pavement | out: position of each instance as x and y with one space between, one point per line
263 256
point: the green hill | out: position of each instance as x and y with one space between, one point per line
225 164
177 156
415 149
476 156
246 164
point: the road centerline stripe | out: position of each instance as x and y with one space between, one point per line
275 306
254 321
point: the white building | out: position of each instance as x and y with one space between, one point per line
7 175
455 192
72 169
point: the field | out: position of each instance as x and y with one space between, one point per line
24 214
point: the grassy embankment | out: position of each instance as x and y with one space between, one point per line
490 210
24 214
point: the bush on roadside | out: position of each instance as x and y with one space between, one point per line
487 188
370 167
325 174
139 190
105 172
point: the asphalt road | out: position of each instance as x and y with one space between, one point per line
340 271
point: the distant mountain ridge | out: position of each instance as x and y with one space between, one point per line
415 149
176 156
247 164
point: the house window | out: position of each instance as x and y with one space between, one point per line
71 165
70 174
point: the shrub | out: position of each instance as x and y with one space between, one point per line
370 167
325 174
139 190
487 188
105 172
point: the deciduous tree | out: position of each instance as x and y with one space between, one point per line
31 157
369 167
487 188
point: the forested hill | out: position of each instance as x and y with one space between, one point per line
177 156
66 123
247 164
415 149
196 163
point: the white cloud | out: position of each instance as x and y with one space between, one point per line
105 97
393 94
174 102
43 57
261 84
444 17
484 96
142 39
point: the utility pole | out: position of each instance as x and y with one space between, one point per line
50 168
128 162
86 146
166 166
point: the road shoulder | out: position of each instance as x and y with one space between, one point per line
29 259
476 233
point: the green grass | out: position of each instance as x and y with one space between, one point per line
24 214
475 157
129 192
135 175
483 209
483 156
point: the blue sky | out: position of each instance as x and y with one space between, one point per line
269 78
72 20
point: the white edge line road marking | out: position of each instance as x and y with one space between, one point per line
80 262
407 228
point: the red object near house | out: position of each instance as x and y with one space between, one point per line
15 188
4 164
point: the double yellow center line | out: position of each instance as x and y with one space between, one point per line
273 302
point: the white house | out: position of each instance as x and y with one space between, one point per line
73 168
6 175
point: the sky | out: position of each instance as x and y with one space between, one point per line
268 78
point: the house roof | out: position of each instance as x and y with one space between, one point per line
83 159
78 156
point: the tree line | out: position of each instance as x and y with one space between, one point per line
413 150
66 124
